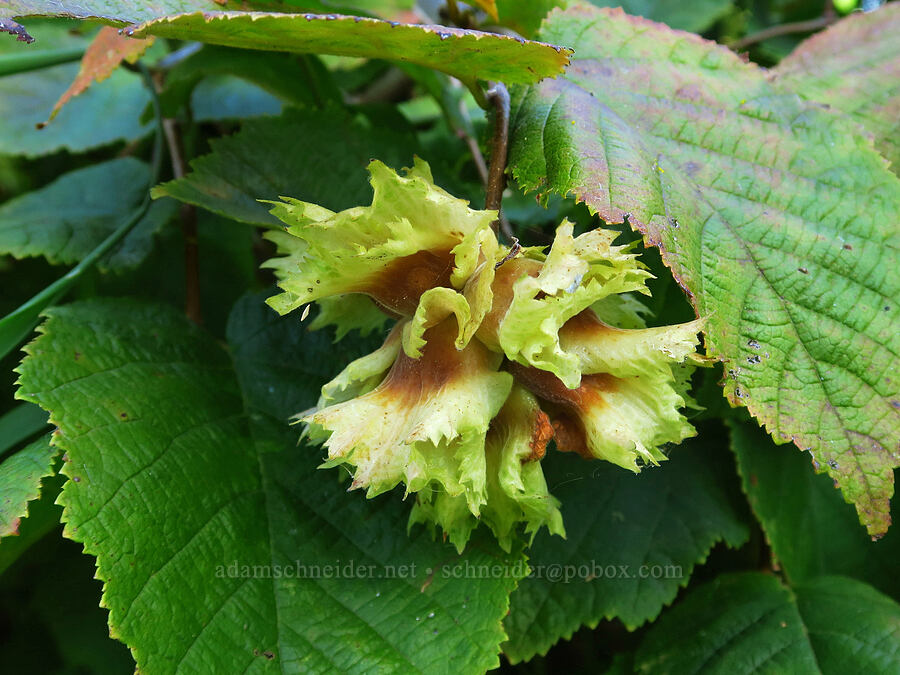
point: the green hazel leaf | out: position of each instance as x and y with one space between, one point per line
20 482
776 216
665 518
466 54
290 155
69 218
107 112
810 529
750 623
853 66
177 481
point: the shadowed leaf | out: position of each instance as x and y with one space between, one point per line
69 218
619 527
751 623
160 434
290 155
810 529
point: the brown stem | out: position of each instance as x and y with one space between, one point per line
496 183
784 29
188 216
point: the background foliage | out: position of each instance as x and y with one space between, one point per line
761 179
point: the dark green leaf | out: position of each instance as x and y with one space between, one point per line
751 623
175 488
632 542
317 155
810 529
777 216
468 55
66 220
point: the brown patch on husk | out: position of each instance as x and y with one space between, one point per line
402 282
541 433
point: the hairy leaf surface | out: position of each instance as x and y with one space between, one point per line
777 216
70 217
751 623
191 497
658 523
854 66
469 55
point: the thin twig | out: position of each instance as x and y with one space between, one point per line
477 156
496 183
188 216
784 29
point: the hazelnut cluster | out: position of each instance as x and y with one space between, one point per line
493 353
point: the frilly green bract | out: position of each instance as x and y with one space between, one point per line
424 424
516 489
545 295
495 351
393 250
